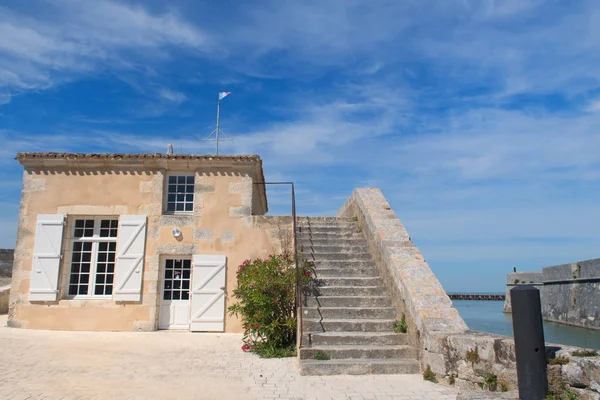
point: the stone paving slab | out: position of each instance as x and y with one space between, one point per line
59 365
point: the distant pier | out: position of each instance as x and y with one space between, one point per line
476 296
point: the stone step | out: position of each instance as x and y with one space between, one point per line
316 230
349 290
349 312
320 220
324 273
337 256
346 352
333 246
331 240
349 264
349 281
358 338
347 325
317 236
319 225
359 367
318 249
349 301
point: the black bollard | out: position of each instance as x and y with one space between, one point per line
530 348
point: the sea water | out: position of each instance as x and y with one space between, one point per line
487 316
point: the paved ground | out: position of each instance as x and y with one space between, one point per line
173 365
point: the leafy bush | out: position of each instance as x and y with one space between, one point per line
473 355
452 379
321 355
266 303
429 375
490 381
400 326
562 360
584 353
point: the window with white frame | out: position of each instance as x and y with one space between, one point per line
93 257
180 193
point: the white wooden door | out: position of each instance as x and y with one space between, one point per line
208 293
174 310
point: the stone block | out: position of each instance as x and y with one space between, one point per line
143 326
227 236
240 211
584 394
150 209
204 234
205 188
31 184
436 361
147 186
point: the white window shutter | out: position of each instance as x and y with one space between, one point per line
46 257
130 258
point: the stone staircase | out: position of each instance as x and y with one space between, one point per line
349 317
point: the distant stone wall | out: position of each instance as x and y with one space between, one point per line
455 354
6 262
570 293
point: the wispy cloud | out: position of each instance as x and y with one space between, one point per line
61 40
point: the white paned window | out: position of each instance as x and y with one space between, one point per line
180 193
177 279
93 257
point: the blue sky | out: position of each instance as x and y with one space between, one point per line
477 119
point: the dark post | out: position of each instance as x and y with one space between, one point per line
530 346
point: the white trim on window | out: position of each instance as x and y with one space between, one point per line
179 197
91 245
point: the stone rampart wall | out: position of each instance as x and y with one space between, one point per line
455 354
570 293
6 262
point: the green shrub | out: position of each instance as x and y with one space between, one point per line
564 395
355 219
490 381
584 353
562 360
473 355
321 355
400 326
452 379
266 300
429 375
503 387
517 281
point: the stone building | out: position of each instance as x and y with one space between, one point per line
137 241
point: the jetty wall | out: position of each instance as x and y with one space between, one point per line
570 293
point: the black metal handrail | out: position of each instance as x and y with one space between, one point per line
298 291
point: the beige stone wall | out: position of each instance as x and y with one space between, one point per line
222 223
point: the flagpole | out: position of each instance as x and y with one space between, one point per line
218 117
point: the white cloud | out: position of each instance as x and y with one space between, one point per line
172 96
72 38
594 106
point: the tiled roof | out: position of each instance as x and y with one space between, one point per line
116 156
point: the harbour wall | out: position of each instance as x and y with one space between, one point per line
570 293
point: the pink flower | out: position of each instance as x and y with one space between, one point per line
246 348
307 273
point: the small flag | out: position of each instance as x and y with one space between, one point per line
223 95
